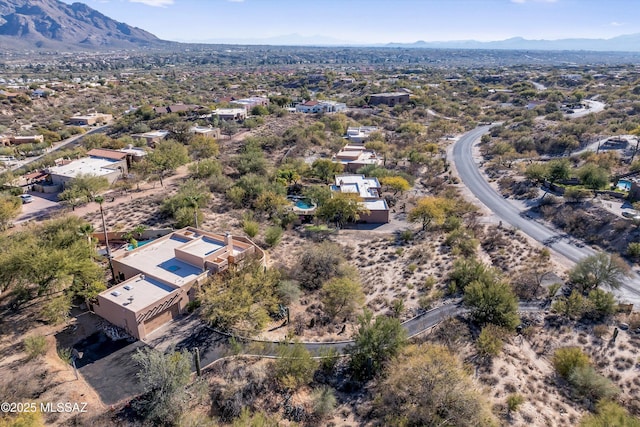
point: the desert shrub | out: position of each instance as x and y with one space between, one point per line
490 341
514 401
294 366
35 346
567 359
250 227
609 414
589 384
272 235
289 291
319 263
57 309
324 401
633 250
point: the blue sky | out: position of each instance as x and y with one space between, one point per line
376 21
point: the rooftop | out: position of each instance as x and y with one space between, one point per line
364 187
158 259
85 166
107 154
390 94
138 293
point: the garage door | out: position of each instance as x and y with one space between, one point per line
160 319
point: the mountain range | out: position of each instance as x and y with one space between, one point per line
54 25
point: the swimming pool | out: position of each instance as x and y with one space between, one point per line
130 247
304 204
624 185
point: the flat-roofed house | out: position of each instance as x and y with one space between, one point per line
152 137
28 139
230 113
90 119
157 279
360 134
369 190
99 165
353 157
389 98
251 102
206 131
312 107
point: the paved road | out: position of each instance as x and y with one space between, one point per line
562 244
60 145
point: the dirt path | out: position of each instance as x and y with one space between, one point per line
116 198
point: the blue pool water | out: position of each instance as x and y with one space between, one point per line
303 204
624 184
140 243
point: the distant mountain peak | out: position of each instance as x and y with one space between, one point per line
52 24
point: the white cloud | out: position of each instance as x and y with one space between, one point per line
154 3
617 24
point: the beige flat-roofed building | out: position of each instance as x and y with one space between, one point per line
97 166
157 278
368 188
90 119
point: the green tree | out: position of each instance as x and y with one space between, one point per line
10 207
294 366
325 169
396 183
468 270
375 342
318 194
574 306
342 208
558 170
83 188
288 175
319 263
241 300
203 147
167 156
493 302
185 204
576 194
597 270
536 172
164 377
206 168
428 386
593 176
430 210
341 296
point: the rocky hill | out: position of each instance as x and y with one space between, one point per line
52 24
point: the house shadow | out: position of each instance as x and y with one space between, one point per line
108 366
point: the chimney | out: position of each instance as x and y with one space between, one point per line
228 241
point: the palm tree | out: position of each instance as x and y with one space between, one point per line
87 230
138 230
100 200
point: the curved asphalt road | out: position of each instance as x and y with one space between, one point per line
471 177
